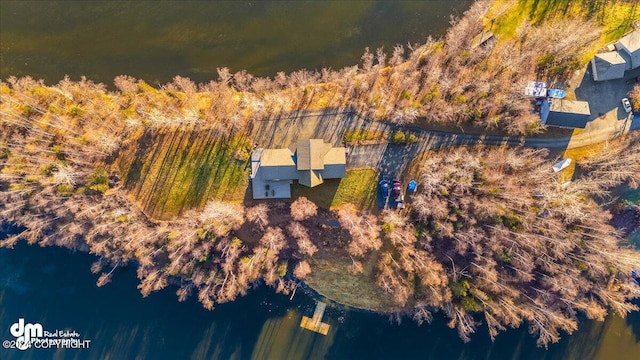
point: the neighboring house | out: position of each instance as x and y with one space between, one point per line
608 66
629 48
310 162
565 113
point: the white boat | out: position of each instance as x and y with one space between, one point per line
536 89
561 165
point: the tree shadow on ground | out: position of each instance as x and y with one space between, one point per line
174 170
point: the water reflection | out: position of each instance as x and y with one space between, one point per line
191 38
55 288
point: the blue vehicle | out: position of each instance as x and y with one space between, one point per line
557 93
384 189
412 186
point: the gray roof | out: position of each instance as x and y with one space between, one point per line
310 163
570 106
568 113
630 44
608 66
310 154
311 178
335 171
255 154
277 164
277 157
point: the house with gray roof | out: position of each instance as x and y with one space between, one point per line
608 66
309 162
629 48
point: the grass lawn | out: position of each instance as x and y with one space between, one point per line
173 171
357 136
331 277
578 154
615 16
358 187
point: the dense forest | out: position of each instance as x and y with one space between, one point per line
492 234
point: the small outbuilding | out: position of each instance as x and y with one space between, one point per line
608 66
565 113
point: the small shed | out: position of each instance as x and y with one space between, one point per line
563 113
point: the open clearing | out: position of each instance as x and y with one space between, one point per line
172 171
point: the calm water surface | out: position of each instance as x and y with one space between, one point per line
155 41
55 288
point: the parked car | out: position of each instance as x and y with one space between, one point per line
384 189
626 105
412 186
397 189
635 79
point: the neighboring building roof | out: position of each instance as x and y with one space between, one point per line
608 66
630 44
568 113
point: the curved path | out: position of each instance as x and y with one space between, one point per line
391 158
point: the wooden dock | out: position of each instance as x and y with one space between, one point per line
315 323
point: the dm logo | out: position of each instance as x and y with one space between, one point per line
25 332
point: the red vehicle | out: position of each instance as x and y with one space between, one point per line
397 189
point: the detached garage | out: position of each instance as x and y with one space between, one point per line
566 114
